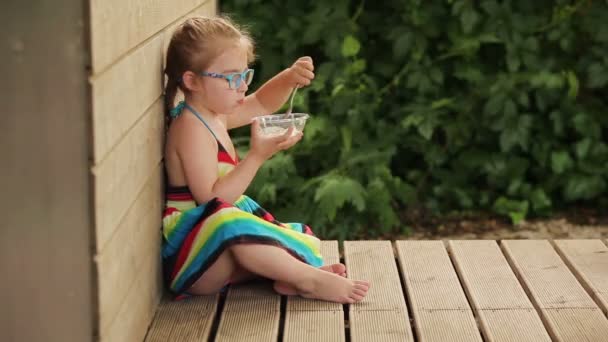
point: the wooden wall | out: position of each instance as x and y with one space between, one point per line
128 45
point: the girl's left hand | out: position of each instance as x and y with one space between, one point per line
301 72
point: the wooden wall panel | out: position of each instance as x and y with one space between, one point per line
121 176
117 26
129 249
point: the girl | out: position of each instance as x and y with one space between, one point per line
213 235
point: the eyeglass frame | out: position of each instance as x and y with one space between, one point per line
229 77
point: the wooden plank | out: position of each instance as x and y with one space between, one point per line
566 309
117 27
577 324
307 326
251 313
137 310
189 320
512 325
380 325
315 320
439 306
484 272
129 250
382 315
122 175
46 207
122 94
588 260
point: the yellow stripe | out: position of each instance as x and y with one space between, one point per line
229 214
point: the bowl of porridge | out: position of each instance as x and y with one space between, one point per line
277 124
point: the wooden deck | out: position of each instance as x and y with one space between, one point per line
464 290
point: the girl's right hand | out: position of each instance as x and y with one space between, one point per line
265 147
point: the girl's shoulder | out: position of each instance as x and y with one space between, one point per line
185 133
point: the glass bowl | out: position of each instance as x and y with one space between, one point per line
277 124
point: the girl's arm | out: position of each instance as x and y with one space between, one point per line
198 157
272 94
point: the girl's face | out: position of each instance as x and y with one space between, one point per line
216 93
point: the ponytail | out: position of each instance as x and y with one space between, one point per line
170 93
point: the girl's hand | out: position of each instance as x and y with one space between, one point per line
264 147
301 72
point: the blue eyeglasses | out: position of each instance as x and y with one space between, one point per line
235 79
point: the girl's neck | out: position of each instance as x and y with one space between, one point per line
201 109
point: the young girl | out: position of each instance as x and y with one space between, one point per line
213 235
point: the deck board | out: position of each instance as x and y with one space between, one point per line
565 307
439 306
186 320
383 315
588 260
251 313
485 273
313 320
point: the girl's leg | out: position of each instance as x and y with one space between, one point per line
275 263
216 276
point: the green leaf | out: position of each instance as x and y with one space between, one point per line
510 108
347 138
561 162
426 129
513 62
468 19
516 210
539 199
572 85
494 105
583 187
402 45
337 89
586 126
516 133
412 120
558 122
350 46
597 75
334 191
582 148
445 102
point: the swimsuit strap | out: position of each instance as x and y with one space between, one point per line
201 118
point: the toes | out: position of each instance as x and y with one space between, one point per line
361 287
339 268
362 282
356 298
360 292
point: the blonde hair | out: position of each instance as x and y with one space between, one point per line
194 44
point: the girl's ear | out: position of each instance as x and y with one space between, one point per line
190 81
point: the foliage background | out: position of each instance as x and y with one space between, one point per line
435 107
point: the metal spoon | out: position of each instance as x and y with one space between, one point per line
293 94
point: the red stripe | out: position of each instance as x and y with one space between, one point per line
169 211
180 197
224 157
185 249
268 217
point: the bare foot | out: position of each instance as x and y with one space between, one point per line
331 287
288 290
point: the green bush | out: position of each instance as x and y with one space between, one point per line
435 106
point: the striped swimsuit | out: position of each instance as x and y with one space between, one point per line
195 235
